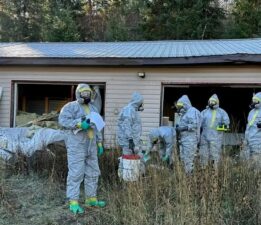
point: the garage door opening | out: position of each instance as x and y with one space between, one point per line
233 98
44 98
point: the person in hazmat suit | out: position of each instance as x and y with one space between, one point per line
83 142
214 122
129 129
166 137
252 141
188 131
129 126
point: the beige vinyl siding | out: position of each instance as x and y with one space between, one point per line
118 94
121 82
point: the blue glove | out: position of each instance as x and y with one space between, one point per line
84 125
100 149
146 157
165 158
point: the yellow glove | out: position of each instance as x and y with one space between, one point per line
222 127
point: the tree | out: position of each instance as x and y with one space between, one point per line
60 21
21 20
124 19
245 19
127 20
182 19
39 20
93 20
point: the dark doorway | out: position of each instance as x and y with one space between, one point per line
234 99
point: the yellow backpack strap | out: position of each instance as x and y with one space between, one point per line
86 109
213 118
90 132
251 122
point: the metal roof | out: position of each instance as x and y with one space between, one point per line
99 53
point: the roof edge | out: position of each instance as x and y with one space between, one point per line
131 62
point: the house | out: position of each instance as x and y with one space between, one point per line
41 77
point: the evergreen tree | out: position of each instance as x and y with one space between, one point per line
39 20
60 21
245 20
93 20
123 20
21 20
126 20
183 19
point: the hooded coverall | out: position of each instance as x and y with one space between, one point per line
253 132
167 140
129 125
81 147
189 137
211 137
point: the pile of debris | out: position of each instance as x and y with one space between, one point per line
33 133
25 119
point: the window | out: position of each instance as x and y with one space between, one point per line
40 98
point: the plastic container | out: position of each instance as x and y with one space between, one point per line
131 167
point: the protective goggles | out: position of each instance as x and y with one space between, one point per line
179 105
212 102
255 100
85 94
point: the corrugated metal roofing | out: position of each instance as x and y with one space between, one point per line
131 50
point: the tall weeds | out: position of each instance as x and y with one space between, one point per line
229 195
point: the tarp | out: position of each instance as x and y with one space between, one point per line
14 140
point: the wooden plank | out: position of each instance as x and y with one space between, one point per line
46 105
24 103
49 116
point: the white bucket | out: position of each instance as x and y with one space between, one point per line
131 167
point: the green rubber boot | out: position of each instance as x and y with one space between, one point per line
75 208
93 202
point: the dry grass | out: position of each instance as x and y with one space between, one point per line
231 195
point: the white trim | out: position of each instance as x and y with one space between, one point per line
15 103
